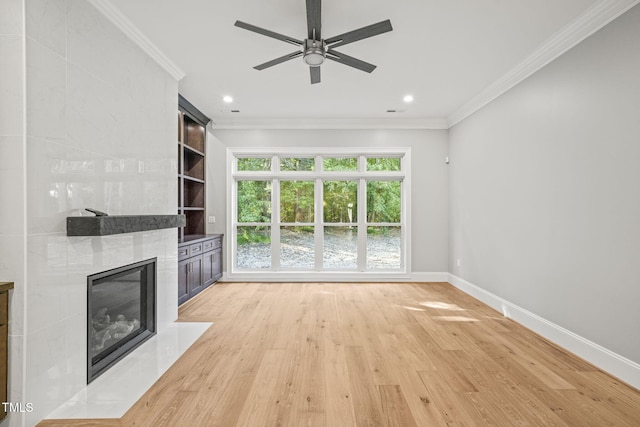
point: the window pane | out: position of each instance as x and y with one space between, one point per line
340 164
383 164
259 164
340 201
297 164
254 201
297 247
383 201
296 201
383 247
340 248
253 247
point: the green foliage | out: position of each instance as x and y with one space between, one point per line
250 235
340 164
383 201
340 199
254 201
297 164
383 164
383 231
259 164
296 201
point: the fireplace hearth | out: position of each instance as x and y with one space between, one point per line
121 313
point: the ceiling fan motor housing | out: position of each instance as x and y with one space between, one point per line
314 52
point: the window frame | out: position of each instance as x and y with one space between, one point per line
319 176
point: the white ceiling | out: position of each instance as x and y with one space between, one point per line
443 52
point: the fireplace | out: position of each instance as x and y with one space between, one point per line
121 313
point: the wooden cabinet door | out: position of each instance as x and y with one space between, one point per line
217 264
183 281
195 275
208 268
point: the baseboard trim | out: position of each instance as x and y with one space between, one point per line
605 359
436 276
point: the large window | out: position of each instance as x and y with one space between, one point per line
301 211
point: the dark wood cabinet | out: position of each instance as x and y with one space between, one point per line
4 347
192 146
183 281
199 264
199 254
212 263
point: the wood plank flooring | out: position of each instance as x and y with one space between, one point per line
373 354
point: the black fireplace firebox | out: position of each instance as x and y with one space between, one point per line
121 313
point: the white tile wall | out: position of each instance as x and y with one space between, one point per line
12 188
97 107
46 23
46 92
11 17
11 85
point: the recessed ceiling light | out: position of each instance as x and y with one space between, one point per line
227 99
408 98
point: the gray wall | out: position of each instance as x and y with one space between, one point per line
545 191
429 198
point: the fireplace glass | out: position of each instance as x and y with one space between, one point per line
121 313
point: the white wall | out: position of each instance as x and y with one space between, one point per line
13 185
545 192
429 198
96 105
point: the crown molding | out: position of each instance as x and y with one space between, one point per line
594 18
328 123
106 8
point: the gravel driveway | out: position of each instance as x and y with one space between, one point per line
340 251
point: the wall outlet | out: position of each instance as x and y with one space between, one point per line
458 262
212 220
140 166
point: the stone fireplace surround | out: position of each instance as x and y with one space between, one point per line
91 122
114 392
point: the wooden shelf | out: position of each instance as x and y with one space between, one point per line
192 135
192 179
193 151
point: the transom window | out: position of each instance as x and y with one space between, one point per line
296 211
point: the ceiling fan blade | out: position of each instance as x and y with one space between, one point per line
315 74
350 61
314 18
360 33
268 33
278 60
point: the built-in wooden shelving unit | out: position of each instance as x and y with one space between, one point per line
192 144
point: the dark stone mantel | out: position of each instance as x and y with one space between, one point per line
105 225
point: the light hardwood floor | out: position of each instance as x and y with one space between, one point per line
374 354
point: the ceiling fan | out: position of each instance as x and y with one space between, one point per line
315 49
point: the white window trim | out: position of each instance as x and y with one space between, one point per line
404 273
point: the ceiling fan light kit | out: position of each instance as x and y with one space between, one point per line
314 52
314 49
